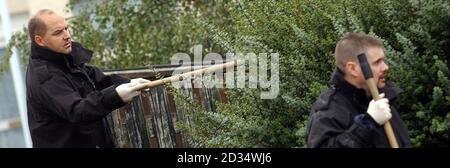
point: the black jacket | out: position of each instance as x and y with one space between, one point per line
339 119
67 100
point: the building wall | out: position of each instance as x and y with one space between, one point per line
17 6
11 138
58 6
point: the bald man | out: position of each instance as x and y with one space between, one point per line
68 100
345 115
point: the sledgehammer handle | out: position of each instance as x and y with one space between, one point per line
203 71
365 67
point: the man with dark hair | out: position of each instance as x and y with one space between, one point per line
68 100
345 115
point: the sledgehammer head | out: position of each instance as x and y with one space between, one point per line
365 67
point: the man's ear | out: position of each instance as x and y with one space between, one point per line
352 68
39 40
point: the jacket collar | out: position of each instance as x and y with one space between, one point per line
337 81
79 55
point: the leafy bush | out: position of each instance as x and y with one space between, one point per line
304 33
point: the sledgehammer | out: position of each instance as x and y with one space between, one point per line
367 71
203 71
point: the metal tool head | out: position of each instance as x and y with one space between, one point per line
365 67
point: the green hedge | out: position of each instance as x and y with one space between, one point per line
416 35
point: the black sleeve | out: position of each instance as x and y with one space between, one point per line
62 100
103 81
326 130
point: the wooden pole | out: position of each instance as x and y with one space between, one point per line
182 76
365 67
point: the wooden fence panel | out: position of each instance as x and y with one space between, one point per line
149 120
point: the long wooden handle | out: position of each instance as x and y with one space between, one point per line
367 72
387 126
182 76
